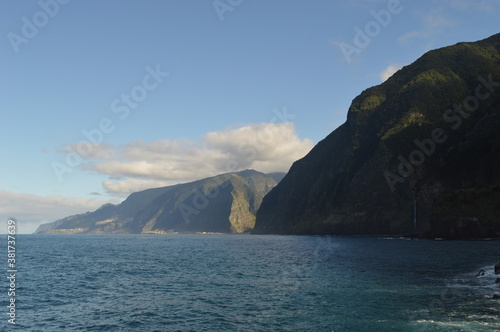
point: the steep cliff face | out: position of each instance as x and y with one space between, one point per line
224 204
408 149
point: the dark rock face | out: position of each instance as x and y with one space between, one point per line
222 204
497 268
418 154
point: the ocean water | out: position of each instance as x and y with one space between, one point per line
251 283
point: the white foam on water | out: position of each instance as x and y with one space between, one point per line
467 304
465 325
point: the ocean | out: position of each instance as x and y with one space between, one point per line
250 283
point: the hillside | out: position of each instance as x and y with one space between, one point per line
417 154
225 204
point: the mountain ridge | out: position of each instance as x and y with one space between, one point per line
225 203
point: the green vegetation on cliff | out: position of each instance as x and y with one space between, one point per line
409 144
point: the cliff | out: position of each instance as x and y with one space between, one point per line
223 204
418 154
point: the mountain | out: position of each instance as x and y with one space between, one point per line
224 204
418 154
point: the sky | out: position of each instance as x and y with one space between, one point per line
103 98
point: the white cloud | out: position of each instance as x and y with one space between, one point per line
32 210
389 71
88 150
139 165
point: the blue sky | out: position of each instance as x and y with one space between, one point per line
181 90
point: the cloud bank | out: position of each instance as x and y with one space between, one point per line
138 165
